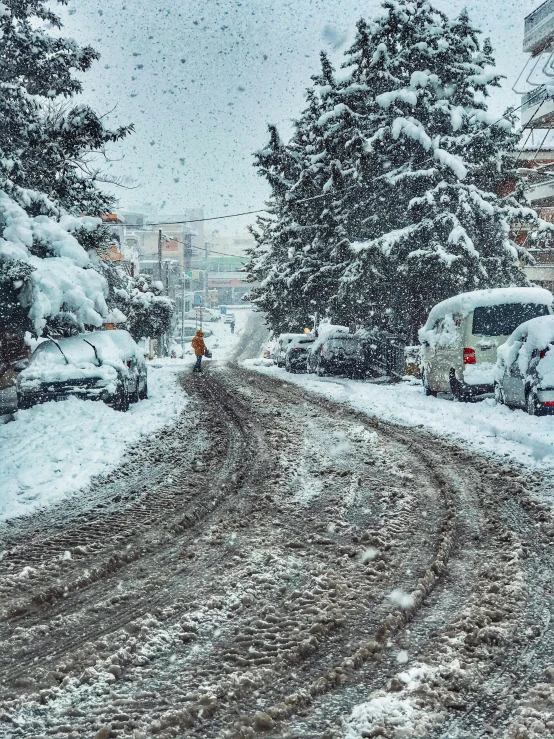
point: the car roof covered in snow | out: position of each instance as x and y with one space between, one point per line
329 331
538 333
288 337
464 303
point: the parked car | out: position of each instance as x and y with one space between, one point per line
524 375
337 353
462 335
281 347
103 365
296 353
208 316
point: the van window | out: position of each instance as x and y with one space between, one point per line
502 320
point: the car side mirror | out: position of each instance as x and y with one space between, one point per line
21 365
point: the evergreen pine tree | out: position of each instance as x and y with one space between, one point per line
49 270
44 139
397 160
442 228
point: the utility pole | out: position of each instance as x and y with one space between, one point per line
162 336
187 258
160 255
183 317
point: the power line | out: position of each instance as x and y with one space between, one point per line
212 218
531 98
208 251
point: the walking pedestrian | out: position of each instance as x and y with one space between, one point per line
199 350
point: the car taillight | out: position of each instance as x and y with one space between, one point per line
296 350
543 353
548 402
321 350
469 356
128 363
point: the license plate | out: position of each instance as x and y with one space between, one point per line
60 397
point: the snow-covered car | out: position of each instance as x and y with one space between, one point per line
281 347
462 334
337 353
296 353
524 375
102 365
207 316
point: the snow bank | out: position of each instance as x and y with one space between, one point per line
52 450
484 426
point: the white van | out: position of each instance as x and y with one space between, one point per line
461 336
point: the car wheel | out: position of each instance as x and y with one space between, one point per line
121 398
533 407
427 392
23 403
499 394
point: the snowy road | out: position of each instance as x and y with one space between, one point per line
277 564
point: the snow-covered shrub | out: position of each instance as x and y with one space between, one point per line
149 313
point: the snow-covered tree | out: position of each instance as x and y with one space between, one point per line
434 156
49 276
149 313
44 267
407 160
45 140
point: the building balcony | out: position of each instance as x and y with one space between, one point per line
539 29
537 109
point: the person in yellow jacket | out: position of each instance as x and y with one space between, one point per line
199 349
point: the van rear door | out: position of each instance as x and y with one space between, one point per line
493 324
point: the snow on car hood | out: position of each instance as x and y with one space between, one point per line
74 359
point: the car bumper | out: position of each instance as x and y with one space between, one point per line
45 395
338 367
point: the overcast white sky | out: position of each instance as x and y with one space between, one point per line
200 79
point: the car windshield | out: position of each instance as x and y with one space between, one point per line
346 344
76 351
502 320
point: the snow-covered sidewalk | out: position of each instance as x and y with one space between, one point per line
54 449
485 426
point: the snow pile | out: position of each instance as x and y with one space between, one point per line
536 335
53 449
64 281
386 711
